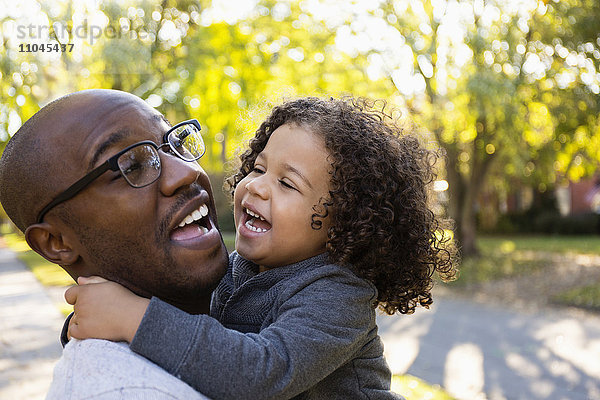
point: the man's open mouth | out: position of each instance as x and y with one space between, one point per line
256 222
194 224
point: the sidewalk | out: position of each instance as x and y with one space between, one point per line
29 332
478 351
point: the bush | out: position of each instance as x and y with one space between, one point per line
548 222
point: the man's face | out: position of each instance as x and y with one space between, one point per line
132 235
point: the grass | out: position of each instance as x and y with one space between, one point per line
509 256
489 267
416 389
556 244
587 297
512 256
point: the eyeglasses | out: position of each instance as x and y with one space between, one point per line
140 163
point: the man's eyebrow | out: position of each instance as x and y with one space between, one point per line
161 118
115 137
293 170
118 136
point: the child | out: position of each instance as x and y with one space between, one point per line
332 219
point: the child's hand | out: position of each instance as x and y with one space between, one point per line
104 310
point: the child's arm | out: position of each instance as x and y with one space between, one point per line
316 331
104 310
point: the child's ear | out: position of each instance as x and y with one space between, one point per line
49 242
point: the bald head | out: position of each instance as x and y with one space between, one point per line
35 165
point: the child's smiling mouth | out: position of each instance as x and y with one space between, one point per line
255 222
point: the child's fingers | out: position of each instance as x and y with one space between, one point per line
82 280
71 294
73 331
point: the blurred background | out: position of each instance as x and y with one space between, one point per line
508 89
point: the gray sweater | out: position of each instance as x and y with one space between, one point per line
306 330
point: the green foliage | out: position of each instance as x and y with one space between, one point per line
505 94
511 93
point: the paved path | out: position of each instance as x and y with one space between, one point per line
483 352
475 351
29 328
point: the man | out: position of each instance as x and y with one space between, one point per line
145 219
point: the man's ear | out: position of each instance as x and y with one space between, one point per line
49 242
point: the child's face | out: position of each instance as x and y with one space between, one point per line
274 203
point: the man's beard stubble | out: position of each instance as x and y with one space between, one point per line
130 261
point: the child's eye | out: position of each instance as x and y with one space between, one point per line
258 170
286 185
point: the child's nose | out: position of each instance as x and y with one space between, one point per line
258 187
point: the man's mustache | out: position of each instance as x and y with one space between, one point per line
192 191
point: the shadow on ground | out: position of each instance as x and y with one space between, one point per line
480 351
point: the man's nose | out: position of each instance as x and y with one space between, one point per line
258 187
177 173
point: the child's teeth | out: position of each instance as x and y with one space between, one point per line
253 214
254 228
196 215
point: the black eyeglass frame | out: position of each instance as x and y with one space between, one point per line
112 164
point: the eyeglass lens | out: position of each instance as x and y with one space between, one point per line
187 142
140 165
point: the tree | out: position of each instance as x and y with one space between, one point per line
508 89
484 78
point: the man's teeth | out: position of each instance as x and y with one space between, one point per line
254 228
196 215
252 214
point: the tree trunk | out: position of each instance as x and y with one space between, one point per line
468 223
461 207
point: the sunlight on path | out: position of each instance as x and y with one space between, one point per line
480 352
464 375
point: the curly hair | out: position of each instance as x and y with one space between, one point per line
381 224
